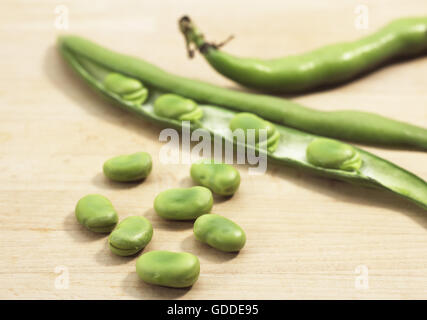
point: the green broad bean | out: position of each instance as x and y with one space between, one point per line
220 178
249 121
173 106
96 213
139 95
219 232
333 154
120 84
130 236
183 203
130 90
127 168
170 269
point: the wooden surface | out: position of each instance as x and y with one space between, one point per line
307 236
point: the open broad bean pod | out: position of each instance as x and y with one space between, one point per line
207 109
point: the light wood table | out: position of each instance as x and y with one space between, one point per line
307 237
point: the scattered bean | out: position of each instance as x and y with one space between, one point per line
220 178
127 168
170 269
96 213
219 232
130 236
183 203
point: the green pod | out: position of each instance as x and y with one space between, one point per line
219 232
89 60
183 203
130 236
220 178
169 269
251 122
329 65
92 61
176 107
96 213
127 168
332 154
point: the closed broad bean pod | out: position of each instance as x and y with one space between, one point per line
170 269
183 203
333 154
331 64
96 213
219 232
130 236
220 178
128 168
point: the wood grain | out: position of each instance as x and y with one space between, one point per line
306 235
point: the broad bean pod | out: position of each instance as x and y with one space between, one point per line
92 62
347 125
329 65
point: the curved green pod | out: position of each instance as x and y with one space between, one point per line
346 125
329 65
130 236
86 58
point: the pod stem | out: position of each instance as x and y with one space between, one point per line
194 38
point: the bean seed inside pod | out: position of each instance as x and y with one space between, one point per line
173 106
333 154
